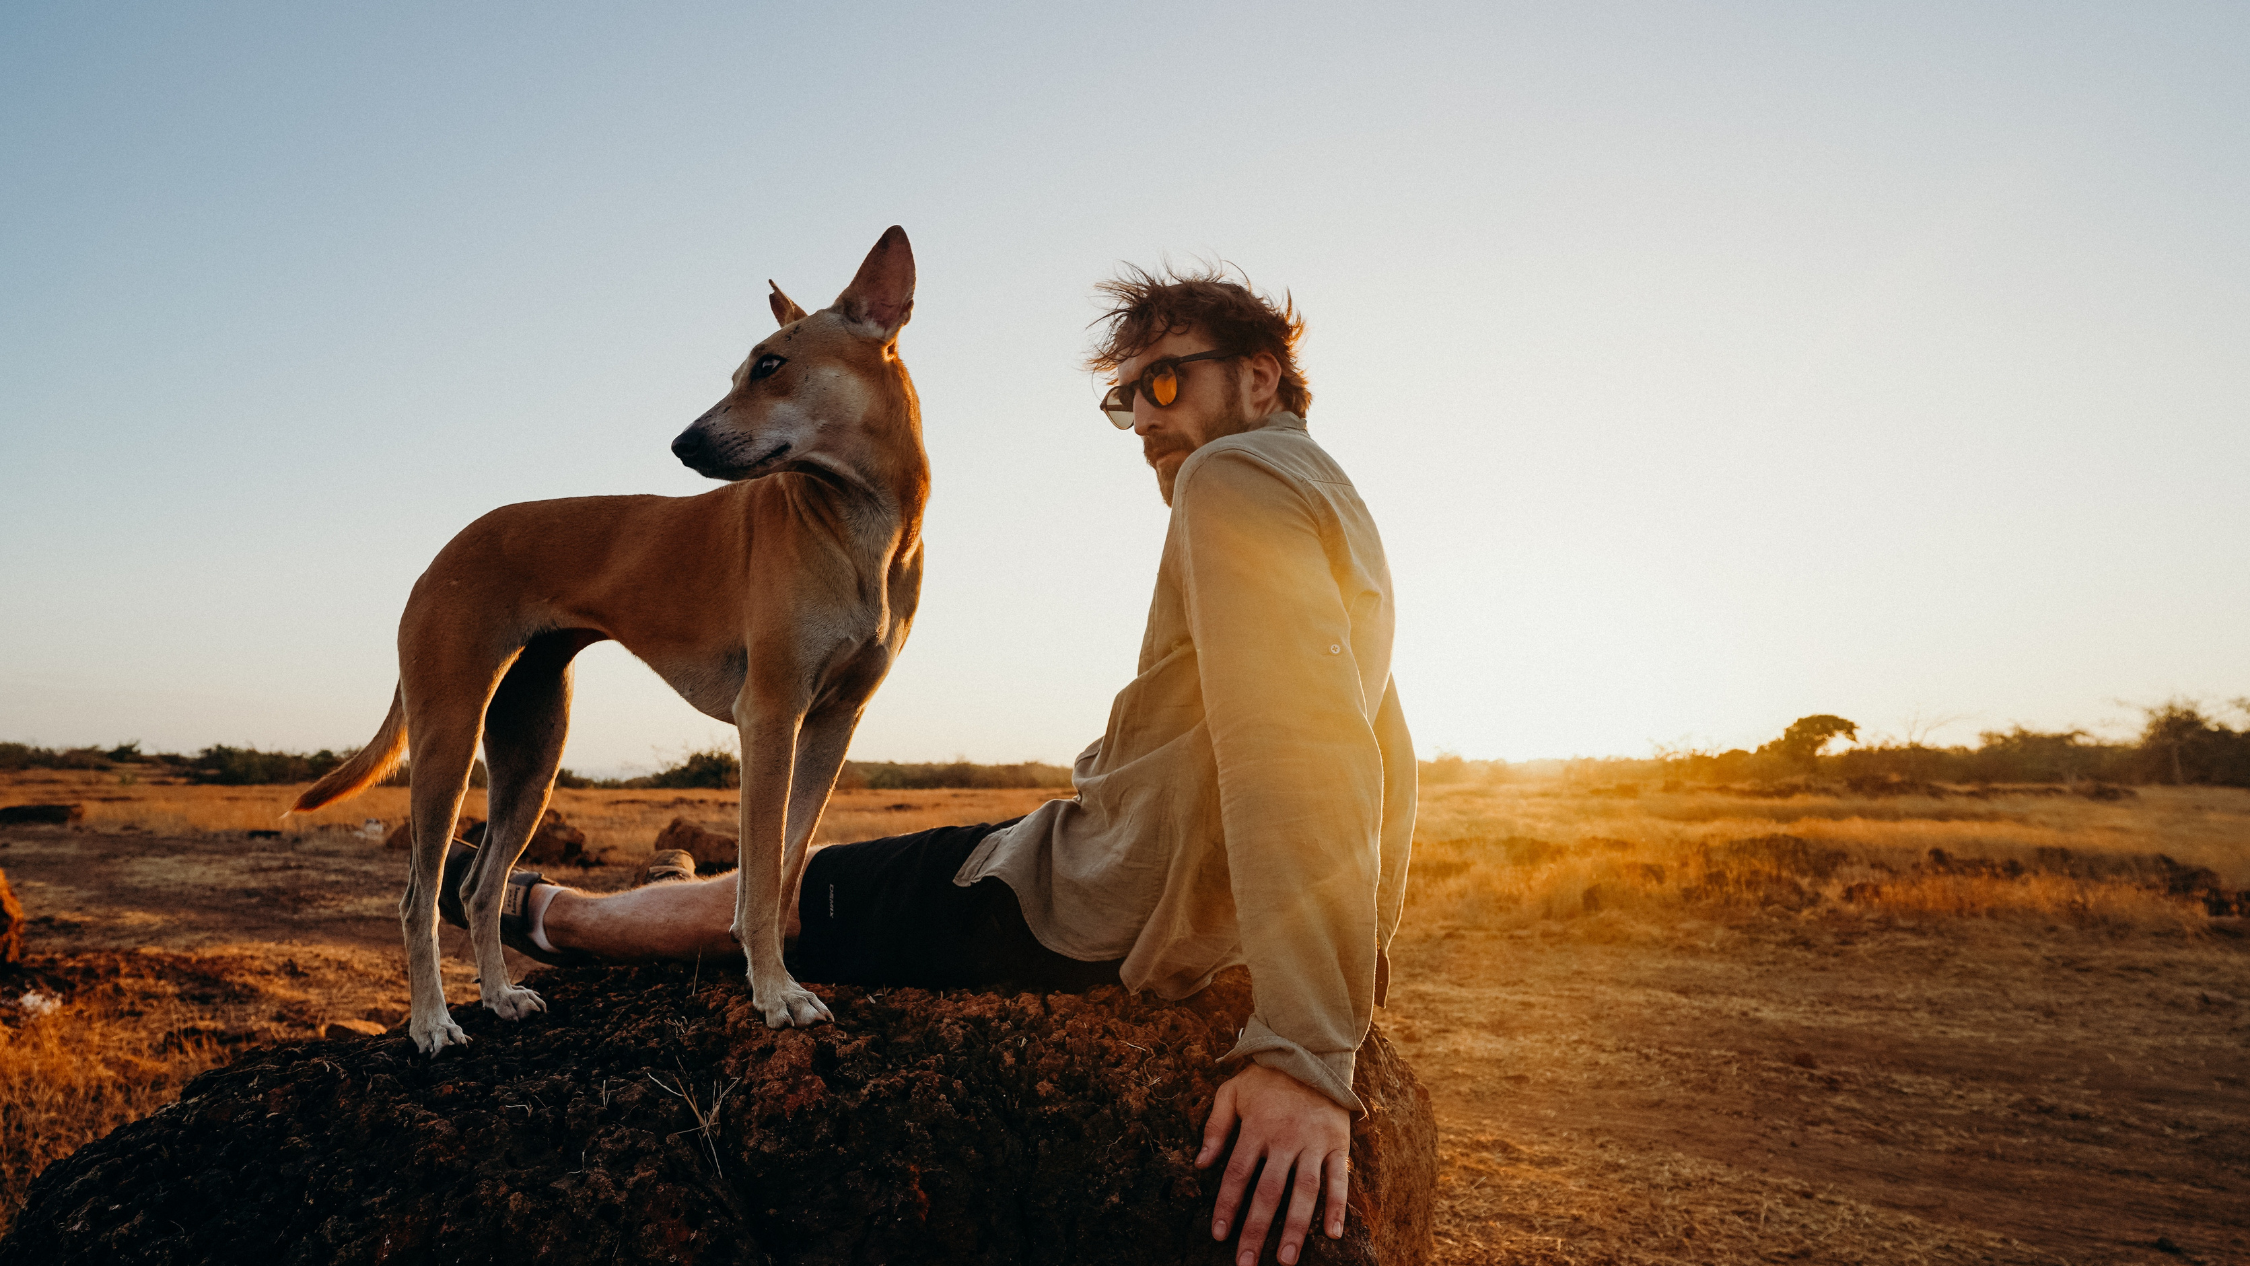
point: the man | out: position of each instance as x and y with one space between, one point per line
1251 803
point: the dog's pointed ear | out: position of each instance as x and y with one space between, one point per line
785 309
881 297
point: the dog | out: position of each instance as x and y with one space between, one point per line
777 602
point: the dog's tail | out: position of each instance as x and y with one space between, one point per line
367 766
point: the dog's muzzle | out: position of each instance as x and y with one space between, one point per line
693 450
696 451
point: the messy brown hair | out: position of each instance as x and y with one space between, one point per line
1146 307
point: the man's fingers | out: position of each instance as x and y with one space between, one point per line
1230 1188
1263 1206
1217 1126
1303 1195
1339 1168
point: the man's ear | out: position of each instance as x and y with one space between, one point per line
1264 375
881 297
785 309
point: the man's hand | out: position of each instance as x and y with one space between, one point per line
1289 1125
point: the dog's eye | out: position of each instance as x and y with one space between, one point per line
766 365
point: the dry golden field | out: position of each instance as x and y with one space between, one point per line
1658 1027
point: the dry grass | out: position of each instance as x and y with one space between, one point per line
74 1074
1514 855
623 824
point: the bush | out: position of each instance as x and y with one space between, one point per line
247 766
17 756
713 767
718 769
960 774
1448 769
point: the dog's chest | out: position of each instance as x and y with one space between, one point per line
859 655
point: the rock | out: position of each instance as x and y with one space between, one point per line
401 838
713 851
650 1116
41 814
337 1029
555 842
11 923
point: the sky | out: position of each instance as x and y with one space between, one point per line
1703 366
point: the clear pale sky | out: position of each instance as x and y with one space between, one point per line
1705 366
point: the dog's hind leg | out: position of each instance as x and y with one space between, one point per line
442 742
525 725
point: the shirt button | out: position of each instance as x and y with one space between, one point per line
1335 650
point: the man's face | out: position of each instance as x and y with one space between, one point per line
1211 404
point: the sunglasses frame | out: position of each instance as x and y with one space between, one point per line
1120 414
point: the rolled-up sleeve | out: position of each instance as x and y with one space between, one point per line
1300 768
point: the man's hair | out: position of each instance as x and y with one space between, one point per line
1238 319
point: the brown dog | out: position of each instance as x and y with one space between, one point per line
777 603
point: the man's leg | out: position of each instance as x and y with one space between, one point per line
668 920
885 913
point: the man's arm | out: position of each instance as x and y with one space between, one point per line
1301 798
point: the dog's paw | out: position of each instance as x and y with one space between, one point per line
513 1002
792 1006
434 1035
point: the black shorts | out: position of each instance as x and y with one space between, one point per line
887 913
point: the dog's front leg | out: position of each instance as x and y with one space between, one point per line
769 746
821 744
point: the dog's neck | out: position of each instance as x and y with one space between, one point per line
875 500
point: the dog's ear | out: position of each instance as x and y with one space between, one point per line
881 297
785 309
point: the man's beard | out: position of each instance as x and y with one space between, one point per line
1156 448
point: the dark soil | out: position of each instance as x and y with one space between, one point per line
921 1127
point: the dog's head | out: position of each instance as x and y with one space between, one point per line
825 390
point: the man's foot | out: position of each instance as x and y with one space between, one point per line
670 866
516 905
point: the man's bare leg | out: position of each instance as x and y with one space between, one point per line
687 919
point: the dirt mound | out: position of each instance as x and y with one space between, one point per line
651 1116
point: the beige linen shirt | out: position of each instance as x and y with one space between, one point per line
1252 801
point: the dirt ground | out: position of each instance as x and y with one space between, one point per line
652 1117
1783 1090
1763 1085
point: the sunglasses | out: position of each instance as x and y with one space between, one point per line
1159 384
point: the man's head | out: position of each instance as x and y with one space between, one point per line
1157 324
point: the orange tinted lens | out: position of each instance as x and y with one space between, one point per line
1163 387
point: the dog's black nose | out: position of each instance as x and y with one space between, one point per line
689 447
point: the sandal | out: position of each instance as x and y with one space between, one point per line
515 905
670 866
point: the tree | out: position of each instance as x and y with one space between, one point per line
1800 744
2180 744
